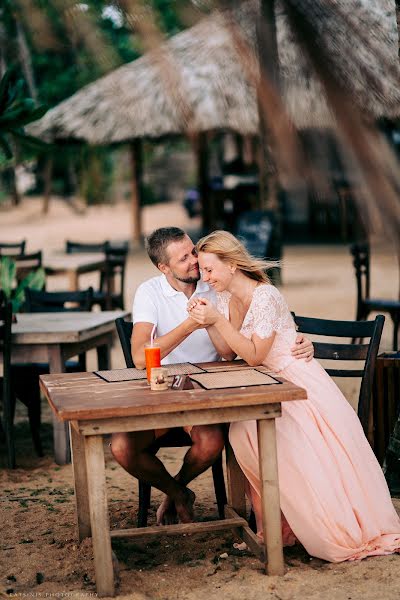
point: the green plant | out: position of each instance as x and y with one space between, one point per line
16 111
35 280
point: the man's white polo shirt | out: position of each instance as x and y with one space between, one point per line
156 301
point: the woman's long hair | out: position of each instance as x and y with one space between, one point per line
229 249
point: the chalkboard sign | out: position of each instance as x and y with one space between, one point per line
255 228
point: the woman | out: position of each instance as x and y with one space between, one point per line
333 494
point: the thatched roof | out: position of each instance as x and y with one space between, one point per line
134 100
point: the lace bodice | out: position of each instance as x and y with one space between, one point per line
268 313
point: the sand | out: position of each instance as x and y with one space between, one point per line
40 556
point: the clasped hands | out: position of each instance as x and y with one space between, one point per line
202 311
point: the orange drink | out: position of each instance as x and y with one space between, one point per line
152 353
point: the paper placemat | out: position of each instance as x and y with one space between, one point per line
136 374
232 379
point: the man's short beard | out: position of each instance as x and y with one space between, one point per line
187 279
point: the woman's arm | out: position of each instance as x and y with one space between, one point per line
220 344
253 351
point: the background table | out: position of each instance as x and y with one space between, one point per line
96 408
53 338
73 265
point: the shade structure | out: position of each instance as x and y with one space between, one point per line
137 99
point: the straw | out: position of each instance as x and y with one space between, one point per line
152 335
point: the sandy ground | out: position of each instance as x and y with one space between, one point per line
40 556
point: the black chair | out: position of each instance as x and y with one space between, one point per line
7 397
12 248
26 376
365 304
80 247
40 301
110 294
354 352
112 281
175 438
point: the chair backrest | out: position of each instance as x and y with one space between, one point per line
354 352
5 350
12 248
79 247
112 280
36 302
361 262
124 329
26 263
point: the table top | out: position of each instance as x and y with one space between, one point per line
84 396
73 262
62 327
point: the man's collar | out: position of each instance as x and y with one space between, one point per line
168 290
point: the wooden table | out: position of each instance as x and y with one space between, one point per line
73 265
96 408
53 338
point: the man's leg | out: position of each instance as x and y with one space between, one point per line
133 452
207 445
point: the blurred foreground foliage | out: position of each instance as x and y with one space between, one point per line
61 46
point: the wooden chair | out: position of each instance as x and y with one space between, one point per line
26 377
12 248
26 263
365 304
7 398
110 294
354 352
175 438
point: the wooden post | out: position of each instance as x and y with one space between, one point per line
47 176
201 149
268 61
136 152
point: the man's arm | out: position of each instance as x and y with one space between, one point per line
168 342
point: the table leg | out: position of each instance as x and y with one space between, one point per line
80 484
272 525
73 281
62 453
236 495
99 518
103 357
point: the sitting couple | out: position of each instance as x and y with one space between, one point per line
326 466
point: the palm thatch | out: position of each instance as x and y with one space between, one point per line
139 99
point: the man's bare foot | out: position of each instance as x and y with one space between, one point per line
166 512
184 506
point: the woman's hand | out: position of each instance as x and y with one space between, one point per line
203 311
303 348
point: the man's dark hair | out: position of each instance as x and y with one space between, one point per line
158 241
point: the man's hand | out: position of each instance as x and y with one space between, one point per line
303 348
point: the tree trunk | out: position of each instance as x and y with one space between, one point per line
201 150
268 61
136 152
26 61
398 24
47 179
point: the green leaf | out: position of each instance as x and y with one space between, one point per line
35 280
7 274
6 147
5 86
33 142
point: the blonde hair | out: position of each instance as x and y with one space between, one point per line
229 249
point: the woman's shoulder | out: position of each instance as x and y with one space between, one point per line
267 290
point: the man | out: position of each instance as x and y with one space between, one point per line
162 301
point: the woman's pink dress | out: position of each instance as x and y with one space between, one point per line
333 493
